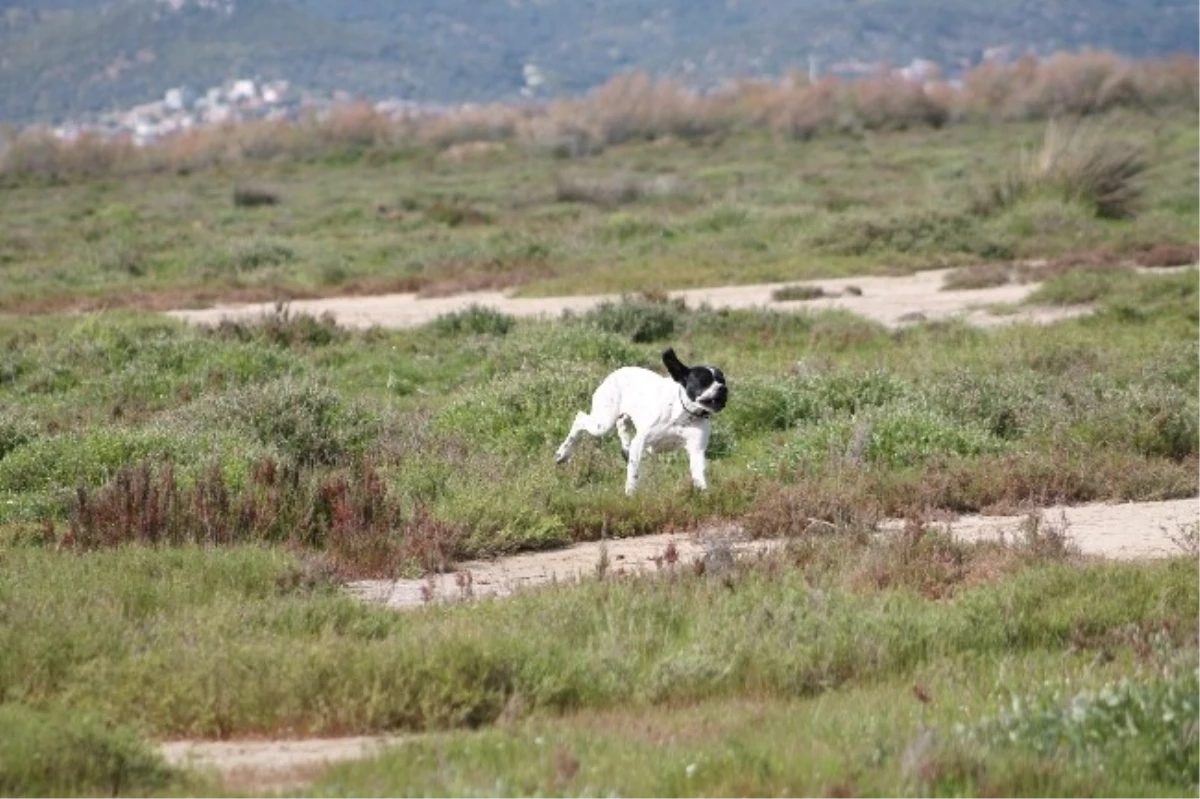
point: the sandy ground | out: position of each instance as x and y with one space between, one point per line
257 767
893 301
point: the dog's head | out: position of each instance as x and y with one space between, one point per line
704 385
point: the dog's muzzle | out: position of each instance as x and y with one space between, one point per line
714 401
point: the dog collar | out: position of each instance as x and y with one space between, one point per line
702 413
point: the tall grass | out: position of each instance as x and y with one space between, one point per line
225 642
1079 162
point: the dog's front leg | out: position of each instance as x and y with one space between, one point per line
696 444
637 448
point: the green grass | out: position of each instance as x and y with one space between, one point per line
231 642
60 753
178 504
746 209
220 643
873 739
421 425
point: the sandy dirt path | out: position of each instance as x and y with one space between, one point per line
1132 530
890 300
259 767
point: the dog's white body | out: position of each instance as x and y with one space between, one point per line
650 412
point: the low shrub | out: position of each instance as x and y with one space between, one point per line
65 460
61 752
282 327
254 196
295 417
16 431
915 232
476 320
244 256
521 412
638 319
1081 286
779 404
978 276
1148 726
797 292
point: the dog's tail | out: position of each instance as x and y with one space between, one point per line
674 366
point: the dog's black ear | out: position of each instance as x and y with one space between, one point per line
675 368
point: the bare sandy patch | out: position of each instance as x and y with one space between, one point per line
891 300
255 767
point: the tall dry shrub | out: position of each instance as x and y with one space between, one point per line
799 109
892 102
493 122
635 106
37 155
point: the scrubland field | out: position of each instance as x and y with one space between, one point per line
179 505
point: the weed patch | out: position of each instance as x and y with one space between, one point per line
349 515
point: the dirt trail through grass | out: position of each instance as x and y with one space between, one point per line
892 301
259 767
1128 530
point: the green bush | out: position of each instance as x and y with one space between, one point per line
523 411
915 232
476 320
249 255
15 431
1008 405
65 460
301 419
639 320
1157 421
909 436
66 753
541 347
1082 286
1147 727
763 405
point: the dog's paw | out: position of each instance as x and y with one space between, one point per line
561 457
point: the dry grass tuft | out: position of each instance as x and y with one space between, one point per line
798 291
978 276
1079 161
253 196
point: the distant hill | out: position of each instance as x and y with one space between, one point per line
63 58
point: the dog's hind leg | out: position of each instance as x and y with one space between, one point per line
597 423
626 431
637 448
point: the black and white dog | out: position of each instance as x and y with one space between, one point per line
653 412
